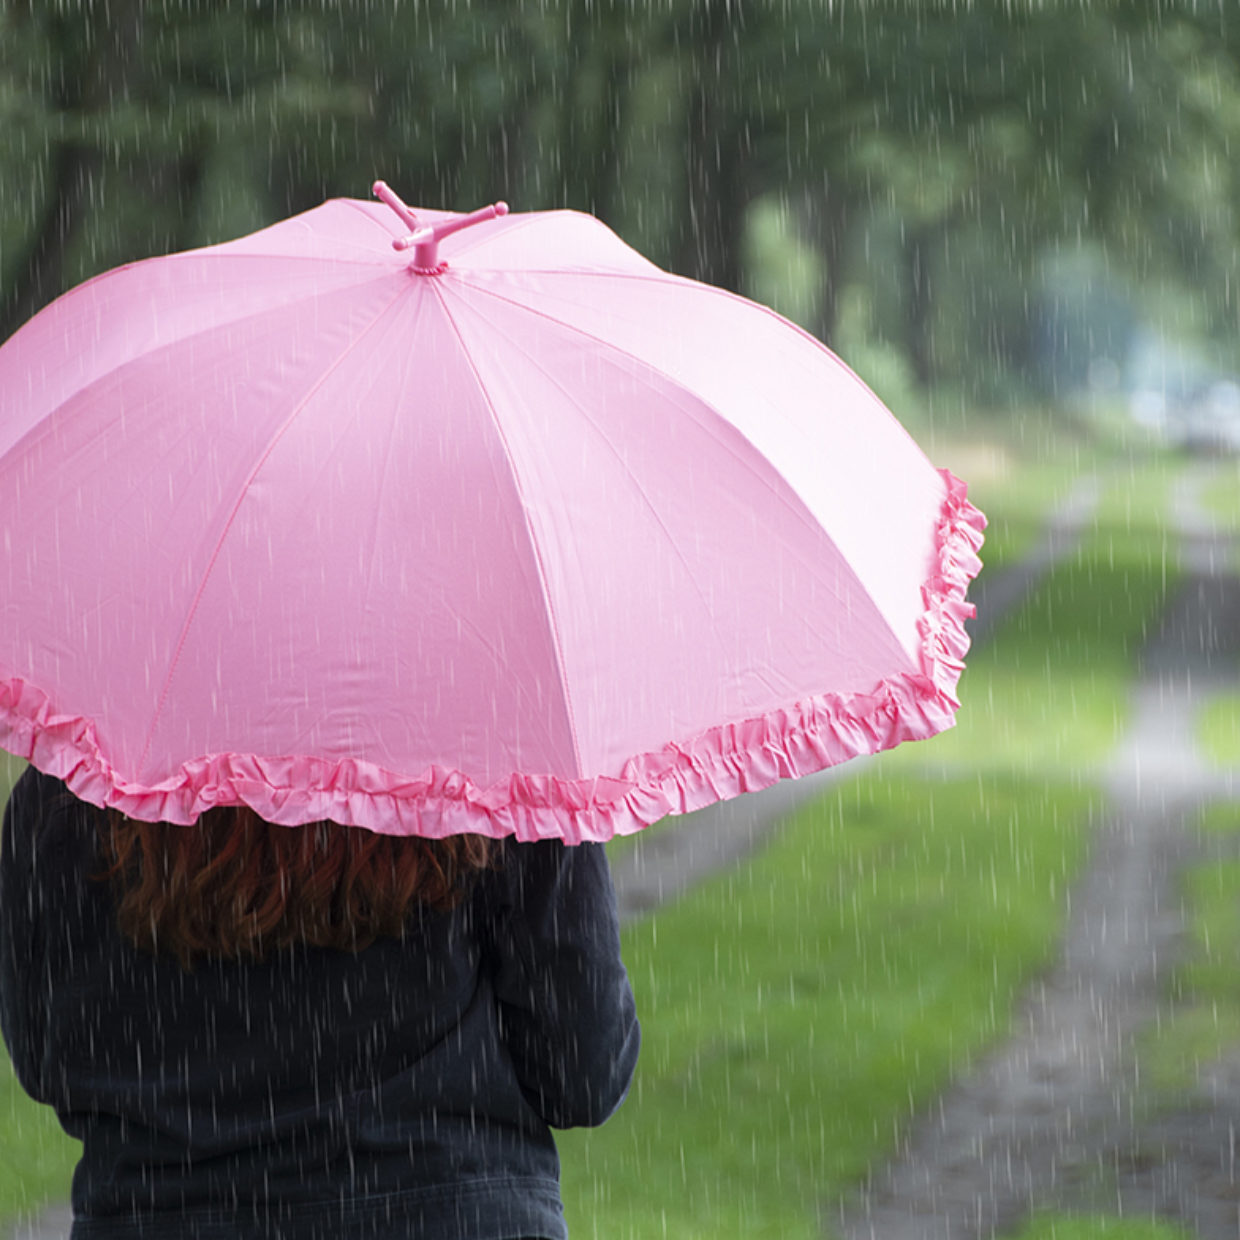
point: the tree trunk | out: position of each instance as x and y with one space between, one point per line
40 276
826 217
918 302
93 67
594 100
717 191
716 201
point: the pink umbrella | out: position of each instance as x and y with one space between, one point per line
516 534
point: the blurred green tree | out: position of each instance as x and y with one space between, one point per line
930 155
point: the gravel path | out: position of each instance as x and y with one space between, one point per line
53 1224
1055 1118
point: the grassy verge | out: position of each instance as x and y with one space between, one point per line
1017 498
1049 692
1222 495
36 1155
1218 729
1218 723
1098 1227
797 1011
1205 1020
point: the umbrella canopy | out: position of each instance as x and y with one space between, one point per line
428 523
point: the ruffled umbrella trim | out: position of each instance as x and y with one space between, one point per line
722 762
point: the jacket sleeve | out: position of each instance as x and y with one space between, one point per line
566 1009
21 1009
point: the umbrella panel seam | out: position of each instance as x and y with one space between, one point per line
243 491
583 410
46 424
790 501
658 276
557 640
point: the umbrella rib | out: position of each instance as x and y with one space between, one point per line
802 513
381 222
619 457
484 238
251 254
658 276
280 256
41 428
556 639
243 491
614 348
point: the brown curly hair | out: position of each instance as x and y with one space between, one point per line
233 886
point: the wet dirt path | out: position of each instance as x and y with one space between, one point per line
1056 1118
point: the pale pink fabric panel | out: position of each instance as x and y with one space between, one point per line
690 587
802 409
376 597
139 472
141 308
547 241
340 230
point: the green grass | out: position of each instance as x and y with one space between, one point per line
10 769
1017 500
1205 1018
1218 729
1098 1227
1220 818
797 1010
36 1155
1222 495
1221 498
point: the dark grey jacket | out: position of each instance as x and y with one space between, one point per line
407 1090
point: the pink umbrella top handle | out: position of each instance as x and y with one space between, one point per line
425 241
384 193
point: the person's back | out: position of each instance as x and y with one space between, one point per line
405 1089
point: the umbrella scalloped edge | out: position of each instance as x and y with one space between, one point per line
723 762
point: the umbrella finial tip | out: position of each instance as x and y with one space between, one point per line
501 208
385 194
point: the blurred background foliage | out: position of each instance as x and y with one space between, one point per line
980 204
